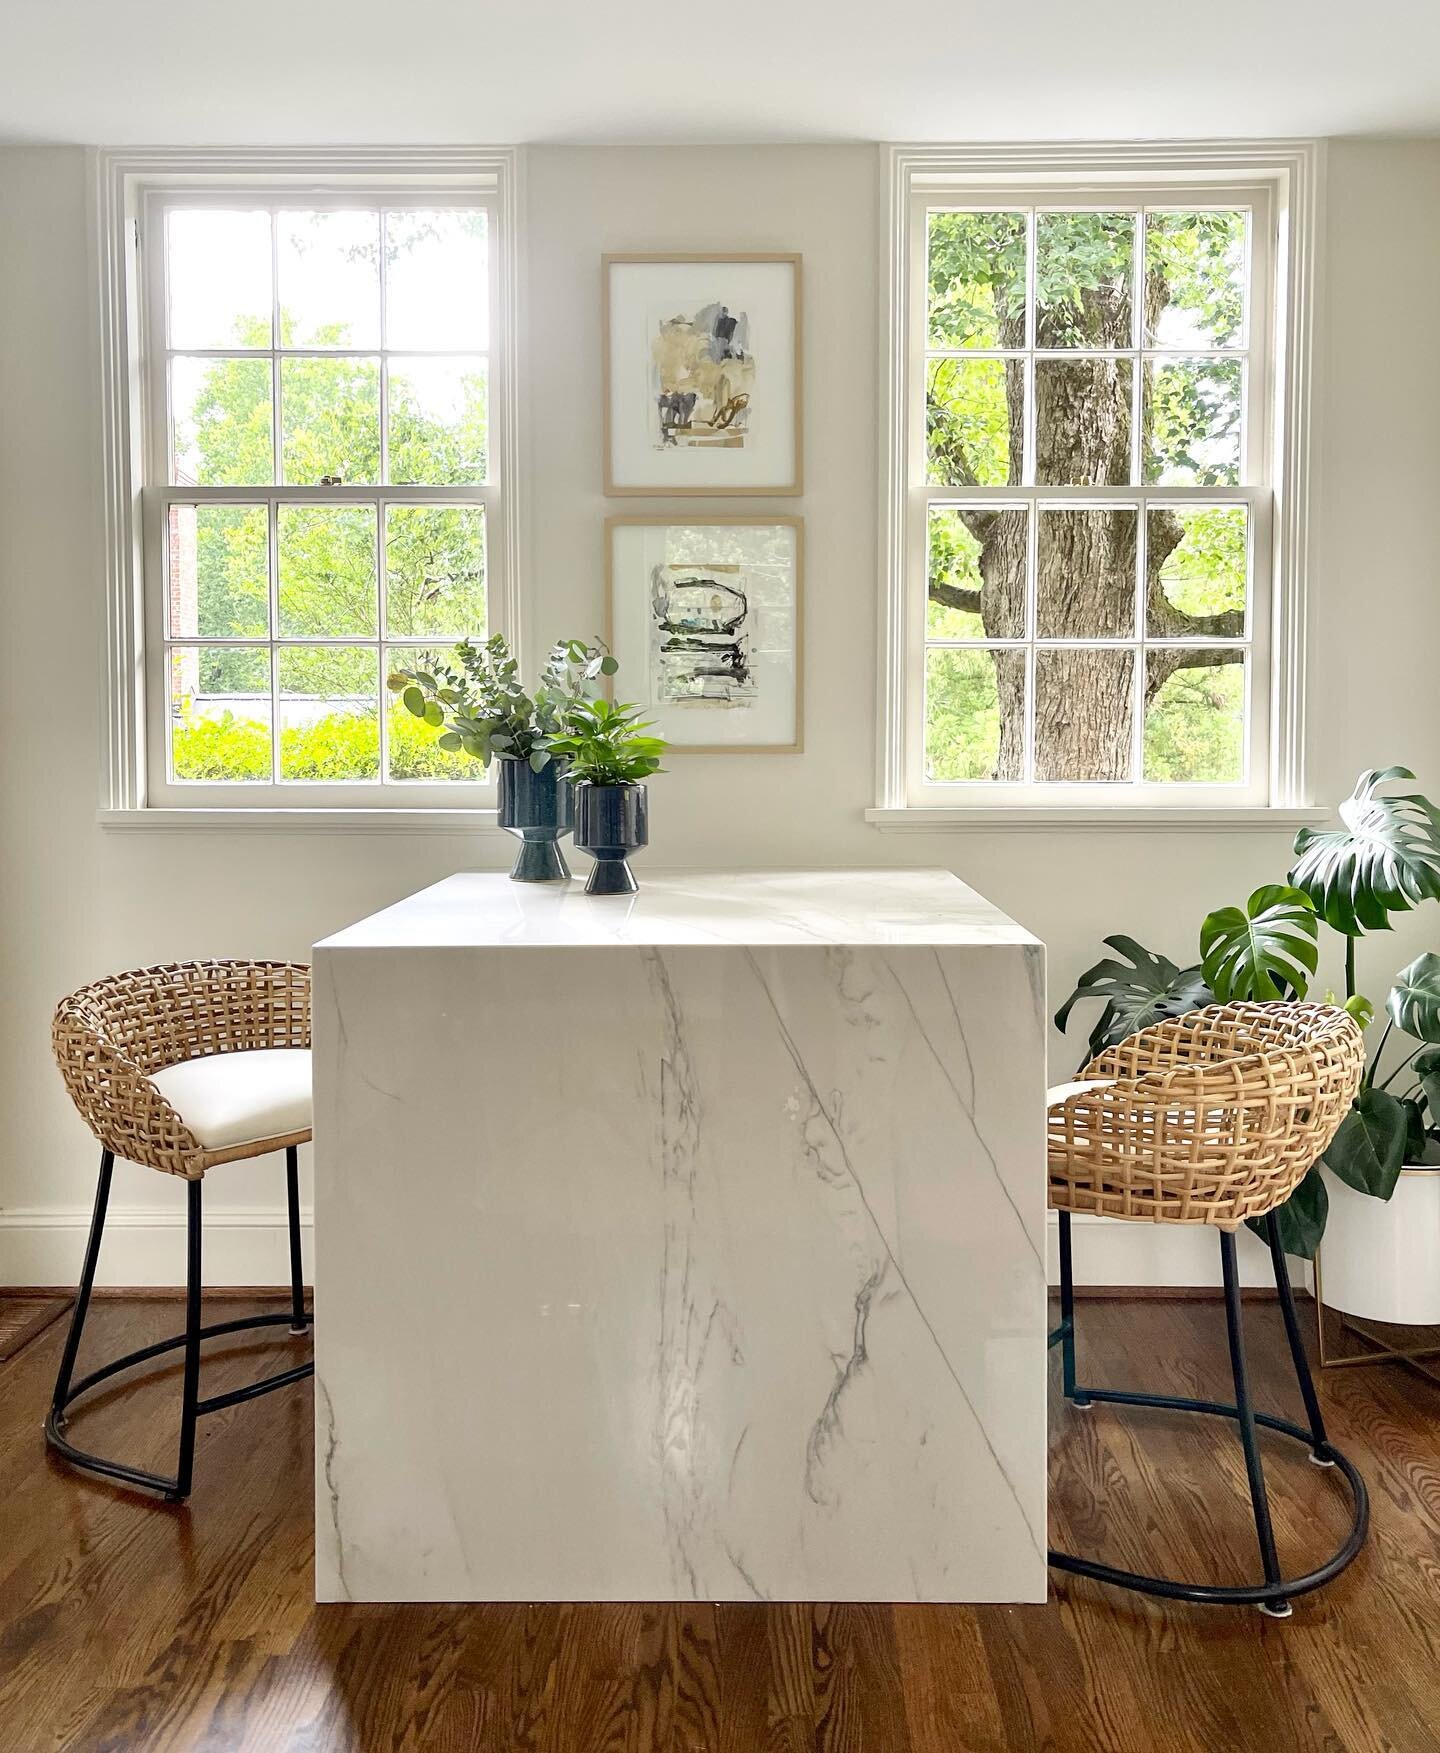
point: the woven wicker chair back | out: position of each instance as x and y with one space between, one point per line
111 1035
1211 1118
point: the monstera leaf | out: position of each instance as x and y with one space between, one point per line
1426 1067
1144 989
1368 1151
1414 1001
1384 860
1301 1219
1265 950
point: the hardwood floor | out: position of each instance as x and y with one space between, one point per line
126 1626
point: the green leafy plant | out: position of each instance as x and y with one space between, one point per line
481 708
606 745
1145 988
1384 859
1265 950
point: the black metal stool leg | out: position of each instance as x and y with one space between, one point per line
299 1320
190 1388
1321 1454
1076 1396
1260 1502
82 1294
192 1407
1273 1595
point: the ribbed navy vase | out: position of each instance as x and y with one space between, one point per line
537 808
611 822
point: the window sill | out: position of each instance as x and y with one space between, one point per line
1130 819
302 821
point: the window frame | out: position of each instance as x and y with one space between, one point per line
134 191
1280 186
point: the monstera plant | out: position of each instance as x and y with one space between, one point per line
1383 859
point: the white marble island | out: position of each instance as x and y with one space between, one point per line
682 1246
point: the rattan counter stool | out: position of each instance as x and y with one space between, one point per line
1212 1118
182 1068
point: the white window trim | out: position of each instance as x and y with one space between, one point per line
119 182
1294 170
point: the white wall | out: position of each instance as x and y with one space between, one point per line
76 901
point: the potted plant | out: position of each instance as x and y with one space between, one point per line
609 758
480 708
1381 1258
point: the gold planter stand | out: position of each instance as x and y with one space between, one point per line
1376 1336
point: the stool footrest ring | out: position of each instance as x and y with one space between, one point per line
56 1420
1239 1595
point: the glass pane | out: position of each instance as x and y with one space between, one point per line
329 712
219 278
1084 711
220 419
330 421
1084 279
219 713
435 570
1195 717
327 570
976 573
1197 564
974 715
413 750
218 571
1085 573
437 292
1083 422
974 421
977 280
1192 422
438 413
329 268
1195 279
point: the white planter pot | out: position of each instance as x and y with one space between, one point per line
1381 1258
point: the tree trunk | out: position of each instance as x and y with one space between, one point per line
1085 563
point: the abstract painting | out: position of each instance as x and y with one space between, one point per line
705 619
702 374
701 632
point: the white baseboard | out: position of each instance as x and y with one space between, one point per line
1157 1256
145 1247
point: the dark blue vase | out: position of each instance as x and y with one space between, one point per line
611 821
537 808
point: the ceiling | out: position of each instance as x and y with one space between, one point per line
500 71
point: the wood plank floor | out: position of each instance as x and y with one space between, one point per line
125 1626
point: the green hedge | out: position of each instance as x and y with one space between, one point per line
339 747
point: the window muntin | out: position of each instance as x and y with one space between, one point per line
1089 508
321 500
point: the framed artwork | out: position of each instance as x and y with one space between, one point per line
706 615
702 374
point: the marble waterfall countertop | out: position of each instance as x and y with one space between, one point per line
686 1245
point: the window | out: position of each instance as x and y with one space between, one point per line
318 443
1084 557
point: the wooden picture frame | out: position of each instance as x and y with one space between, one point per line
774 467
636 679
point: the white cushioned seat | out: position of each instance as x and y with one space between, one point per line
1062 1092
232 1098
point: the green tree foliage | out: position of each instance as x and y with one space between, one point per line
330 578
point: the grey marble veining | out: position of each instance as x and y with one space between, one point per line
690 1250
